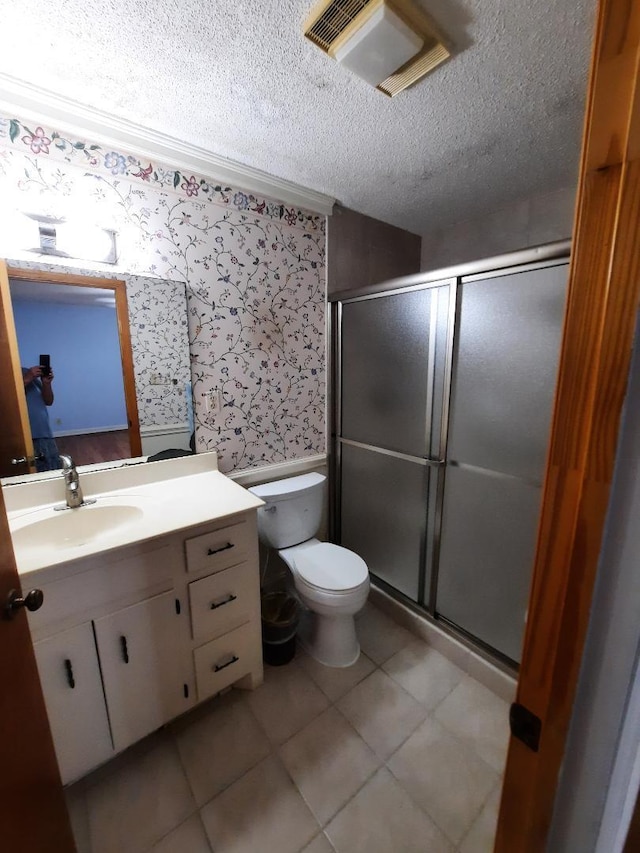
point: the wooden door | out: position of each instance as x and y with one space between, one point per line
146 669
15 435
33 813
72 687
604 289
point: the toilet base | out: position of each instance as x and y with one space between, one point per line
331 640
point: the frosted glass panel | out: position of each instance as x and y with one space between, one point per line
486 556
508 342
384 511
385 371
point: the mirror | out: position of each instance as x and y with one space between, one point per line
122 381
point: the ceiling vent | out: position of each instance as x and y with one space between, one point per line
388 43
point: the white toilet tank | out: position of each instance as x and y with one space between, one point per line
293 509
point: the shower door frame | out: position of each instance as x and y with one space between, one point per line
539 257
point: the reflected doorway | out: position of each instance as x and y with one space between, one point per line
79 324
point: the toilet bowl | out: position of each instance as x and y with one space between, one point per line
332 582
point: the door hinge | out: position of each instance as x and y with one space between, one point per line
525 726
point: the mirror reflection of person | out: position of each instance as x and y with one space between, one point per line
39 395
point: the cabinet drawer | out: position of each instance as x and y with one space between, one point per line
218 549
225 660
222 601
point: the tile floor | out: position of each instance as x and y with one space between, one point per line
402 752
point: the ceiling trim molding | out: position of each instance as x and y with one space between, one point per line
34 102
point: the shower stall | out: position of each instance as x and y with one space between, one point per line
442 394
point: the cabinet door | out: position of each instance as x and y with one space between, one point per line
146 668
70 678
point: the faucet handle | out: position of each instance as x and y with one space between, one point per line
67 462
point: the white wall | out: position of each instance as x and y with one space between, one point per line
534 221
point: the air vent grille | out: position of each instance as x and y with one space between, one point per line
333 22
428 59
335 19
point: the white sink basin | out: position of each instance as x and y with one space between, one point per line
48 529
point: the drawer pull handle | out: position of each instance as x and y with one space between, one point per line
69 669
226 547
222 603
220 666
125 650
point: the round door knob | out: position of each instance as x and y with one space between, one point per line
32 601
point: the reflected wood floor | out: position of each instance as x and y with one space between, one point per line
95 447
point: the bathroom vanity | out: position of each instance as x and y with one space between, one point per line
151 599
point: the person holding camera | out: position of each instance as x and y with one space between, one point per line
39 394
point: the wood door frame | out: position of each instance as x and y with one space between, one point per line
600 324
119 288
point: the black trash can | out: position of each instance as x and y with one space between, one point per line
280 617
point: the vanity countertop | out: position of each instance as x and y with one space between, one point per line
134 503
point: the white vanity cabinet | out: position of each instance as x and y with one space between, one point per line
130 639
70 678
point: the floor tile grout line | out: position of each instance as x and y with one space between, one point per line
184 769
482 807
426 811
422 808
332 705
355 684
437 705
325 824
197 814
359 736
274 745
272 753
469 746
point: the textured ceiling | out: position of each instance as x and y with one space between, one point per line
501 120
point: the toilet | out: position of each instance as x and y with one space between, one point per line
332 582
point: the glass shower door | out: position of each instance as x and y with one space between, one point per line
505 364
392 356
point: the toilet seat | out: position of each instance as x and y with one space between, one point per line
328 567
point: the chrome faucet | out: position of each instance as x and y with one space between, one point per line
73 490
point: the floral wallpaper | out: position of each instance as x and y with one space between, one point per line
254 271
160 347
